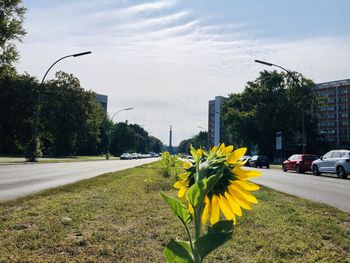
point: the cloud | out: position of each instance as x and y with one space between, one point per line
165 60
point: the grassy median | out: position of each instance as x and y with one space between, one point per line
118 217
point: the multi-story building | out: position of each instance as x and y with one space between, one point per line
215 123
102 99
335 109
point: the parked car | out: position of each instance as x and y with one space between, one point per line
259 161
336 162
299 163
125 156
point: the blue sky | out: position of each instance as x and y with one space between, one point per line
168 58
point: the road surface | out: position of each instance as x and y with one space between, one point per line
23 179
326 188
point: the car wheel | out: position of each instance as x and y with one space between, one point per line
267 166
341 172
315 170
284 168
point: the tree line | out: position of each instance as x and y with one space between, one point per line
273 102
71 121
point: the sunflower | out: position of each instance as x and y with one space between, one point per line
233 190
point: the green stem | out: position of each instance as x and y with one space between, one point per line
189 237
197 220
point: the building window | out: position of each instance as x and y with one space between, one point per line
342 91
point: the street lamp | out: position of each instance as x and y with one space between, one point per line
126 109
109 132
302 106
32 158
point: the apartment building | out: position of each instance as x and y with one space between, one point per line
335 109
215 123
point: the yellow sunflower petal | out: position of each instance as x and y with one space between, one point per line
190 209
228 149
242 194
214 149
206 210
236 199
221 149
200 152
245 194
186 165
214 210
181 193
181 184
246 185
236 155
226 209
183 176
234 205
243 174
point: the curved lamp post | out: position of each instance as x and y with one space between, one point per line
126 109
109 132
302 107
37 113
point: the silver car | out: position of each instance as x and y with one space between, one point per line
336 162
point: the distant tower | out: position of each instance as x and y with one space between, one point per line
170 141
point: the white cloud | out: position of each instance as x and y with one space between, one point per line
164 61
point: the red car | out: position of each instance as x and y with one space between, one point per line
299 163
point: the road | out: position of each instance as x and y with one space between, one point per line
23 179
326 188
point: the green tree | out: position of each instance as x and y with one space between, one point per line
71 119
155 145
273 102
11 30
17 100
197 141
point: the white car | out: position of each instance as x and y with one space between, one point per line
336 162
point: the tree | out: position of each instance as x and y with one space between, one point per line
71 119
11 30
17 100
197 141
274 102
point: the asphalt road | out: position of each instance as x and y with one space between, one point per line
23 179
326 188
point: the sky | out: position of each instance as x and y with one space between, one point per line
168 58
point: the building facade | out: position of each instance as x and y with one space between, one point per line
334 122
103 100
215 123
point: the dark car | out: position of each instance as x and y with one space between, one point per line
259 161
299 162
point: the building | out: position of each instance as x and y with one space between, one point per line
102 99
334 121
215 123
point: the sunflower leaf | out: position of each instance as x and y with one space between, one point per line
178 251
195 194
194 154
225 226
209 242
178 208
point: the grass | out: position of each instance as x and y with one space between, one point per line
118 217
